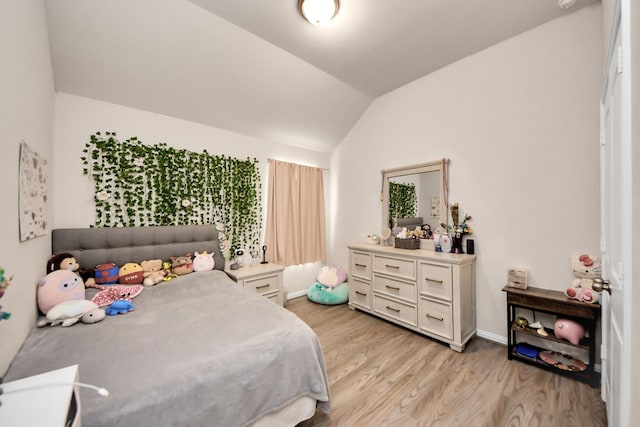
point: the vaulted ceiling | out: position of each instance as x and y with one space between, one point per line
257 67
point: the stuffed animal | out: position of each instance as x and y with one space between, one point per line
153 272
110 294
59 286
131 273
64 261
168 274
120 306
68 313
107 274
203 261
331 276
182 265
585 268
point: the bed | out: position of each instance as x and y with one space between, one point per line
197 350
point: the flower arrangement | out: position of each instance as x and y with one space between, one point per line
458 228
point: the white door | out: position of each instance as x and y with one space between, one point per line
616 238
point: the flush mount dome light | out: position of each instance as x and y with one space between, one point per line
566 4
318 12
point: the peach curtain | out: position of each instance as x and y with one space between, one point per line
295 231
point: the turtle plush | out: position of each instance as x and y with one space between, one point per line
68 313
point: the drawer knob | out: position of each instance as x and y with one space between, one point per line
364 294
395 288
429 279
397 310
392 266
441 319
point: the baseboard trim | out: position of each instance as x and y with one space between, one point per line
491 336
296 294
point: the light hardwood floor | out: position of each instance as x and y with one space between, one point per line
383 375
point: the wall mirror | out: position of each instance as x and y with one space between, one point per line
415 195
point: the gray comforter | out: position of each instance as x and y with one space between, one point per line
198 350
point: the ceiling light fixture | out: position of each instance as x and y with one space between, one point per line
318 12
566 4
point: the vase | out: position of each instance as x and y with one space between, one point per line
456 243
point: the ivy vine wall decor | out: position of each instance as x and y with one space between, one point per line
403 202
145 185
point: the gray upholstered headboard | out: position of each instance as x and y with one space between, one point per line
94 246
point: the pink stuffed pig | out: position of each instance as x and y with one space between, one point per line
568 330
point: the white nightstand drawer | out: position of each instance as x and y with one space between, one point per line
396 310
436 280
399 267
361 265
395 288
360 293
436 318
262 285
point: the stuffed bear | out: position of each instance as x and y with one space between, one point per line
182 265
153 272
65 260
59 286
585 268
203 261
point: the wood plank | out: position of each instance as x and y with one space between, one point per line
384 375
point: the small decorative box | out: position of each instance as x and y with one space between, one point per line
517 277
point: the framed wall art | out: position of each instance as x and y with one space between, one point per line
32 194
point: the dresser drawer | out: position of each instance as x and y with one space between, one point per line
404 313
361 265
437 318
262 285
399 267
360 293
395 288
436 280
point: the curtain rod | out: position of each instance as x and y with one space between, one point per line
276 160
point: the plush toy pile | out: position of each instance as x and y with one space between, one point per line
585 268
331 287
61 293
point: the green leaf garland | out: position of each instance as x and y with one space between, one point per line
145 185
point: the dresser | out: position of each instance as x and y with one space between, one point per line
432 293
263 279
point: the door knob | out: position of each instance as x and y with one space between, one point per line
600 285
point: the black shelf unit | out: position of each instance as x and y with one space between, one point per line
557 304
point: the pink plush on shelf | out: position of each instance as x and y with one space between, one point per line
568 330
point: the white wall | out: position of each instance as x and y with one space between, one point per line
77 118
520 123
26 111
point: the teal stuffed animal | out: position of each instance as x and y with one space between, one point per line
322 294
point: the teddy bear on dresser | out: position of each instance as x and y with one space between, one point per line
585 268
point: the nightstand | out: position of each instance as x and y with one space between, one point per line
263 279
49 399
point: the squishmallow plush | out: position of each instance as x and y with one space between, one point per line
331 276
203 261
59 286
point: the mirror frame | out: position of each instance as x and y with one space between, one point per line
441 166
